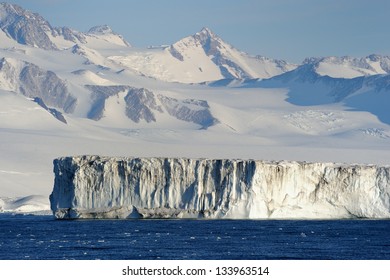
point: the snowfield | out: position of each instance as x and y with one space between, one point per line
33 204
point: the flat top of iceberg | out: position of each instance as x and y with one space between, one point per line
103 158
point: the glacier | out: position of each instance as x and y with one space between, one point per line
124 187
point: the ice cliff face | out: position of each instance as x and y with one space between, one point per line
102 187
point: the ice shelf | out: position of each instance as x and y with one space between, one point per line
116 187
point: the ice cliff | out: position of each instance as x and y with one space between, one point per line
109 187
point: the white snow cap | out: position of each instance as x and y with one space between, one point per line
101 29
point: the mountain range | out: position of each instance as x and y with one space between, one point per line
66 92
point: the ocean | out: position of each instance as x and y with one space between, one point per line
28 237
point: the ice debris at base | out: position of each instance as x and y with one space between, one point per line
110 187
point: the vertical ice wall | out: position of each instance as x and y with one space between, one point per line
104 187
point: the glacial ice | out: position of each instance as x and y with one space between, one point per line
110 187
32 204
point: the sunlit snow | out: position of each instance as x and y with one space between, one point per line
262 108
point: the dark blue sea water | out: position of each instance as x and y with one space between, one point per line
42 237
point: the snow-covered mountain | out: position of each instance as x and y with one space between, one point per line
140 104
25 27
307 87
350 67
104 32
31 81
231 62
65 92
31 29
201 57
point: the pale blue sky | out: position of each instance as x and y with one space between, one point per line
285 29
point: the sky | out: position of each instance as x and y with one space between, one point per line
284 29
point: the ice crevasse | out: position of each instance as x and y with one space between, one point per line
112 187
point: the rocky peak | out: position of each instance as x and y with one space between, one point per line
7 8
105 32
208 40
70 34
205 39
25 27
101 30
205 34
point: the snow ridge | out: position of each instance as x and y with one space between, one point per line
106 33
33 82
350 67
143 105
231 62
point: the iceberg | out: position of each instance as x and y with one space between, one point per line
122 187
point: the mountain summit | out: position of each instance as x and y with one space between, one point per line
231 63
206 39
25 27
101 30
106 33
210 42
33 30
